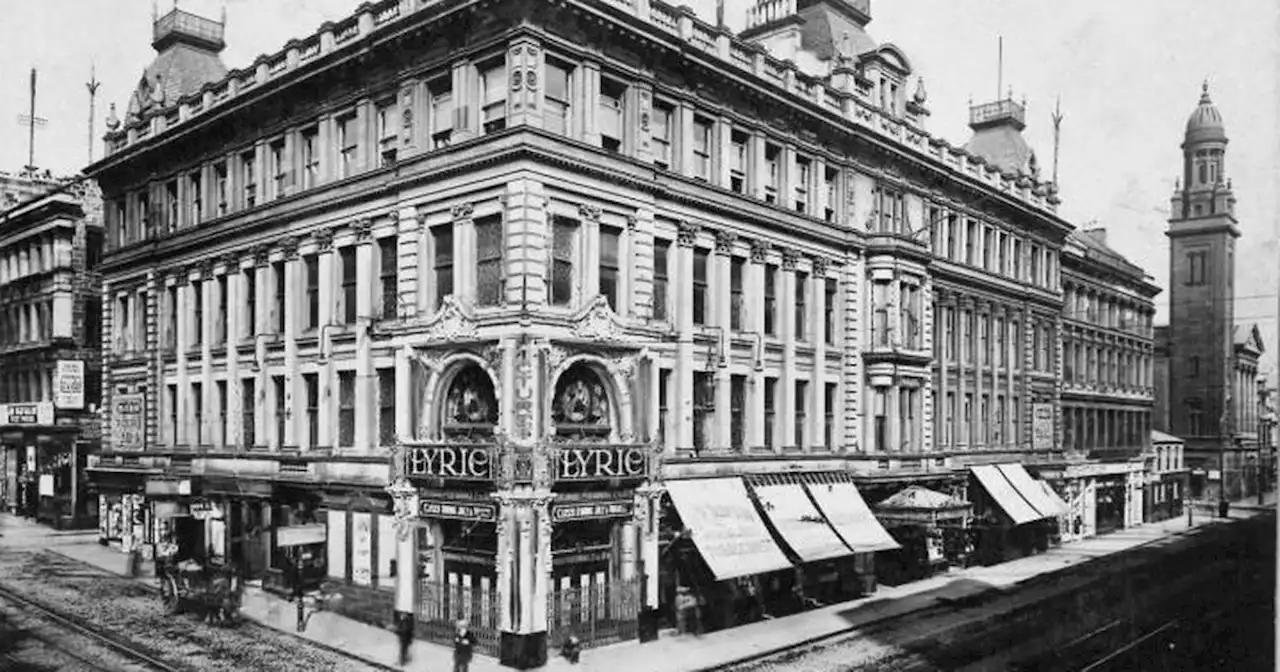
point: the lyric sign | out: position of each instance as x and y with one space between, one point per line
470 463
605 462
433 508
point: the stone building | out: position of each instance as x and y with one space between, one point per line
1208 396
50 317
580 310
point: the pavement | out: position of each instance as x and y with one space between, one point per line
675 653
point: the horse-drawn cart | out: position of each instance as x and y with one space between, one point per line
212 593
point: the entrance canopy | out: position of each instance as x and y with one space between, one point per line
800 523
726 529
1016 492
851 517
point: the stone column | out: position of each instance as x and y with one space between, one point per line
722 296
185 310
524 544
404 393
754 324
208 388
682 403
818 379
941 411
366 379
235 299
785 399
293 285
262 288
327 378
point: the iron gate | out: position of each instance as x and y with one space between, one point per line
598 613
440 607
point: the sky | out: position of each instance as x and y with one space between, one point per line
1127 74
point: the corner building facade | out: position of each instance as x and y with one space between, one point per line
473 286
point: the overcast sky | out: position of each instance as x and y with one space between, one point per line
1128 74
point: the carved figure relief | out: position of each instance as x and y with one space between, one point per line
581 407
470 405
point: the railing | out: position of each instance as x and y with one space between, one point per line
178 20
985 112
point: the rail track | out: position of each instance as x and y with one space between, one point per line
131 651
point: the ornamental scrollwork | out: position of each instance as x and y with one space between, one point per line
790 259
820 265
759 251
687 234
725 241
588 212
462 211
324 239
633 222
290 247
261 255
363 229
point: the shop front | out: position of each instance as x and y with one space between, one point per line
1015 515
933 528
1164 495
42 465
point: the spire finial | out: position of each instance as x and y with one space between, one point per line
1204 91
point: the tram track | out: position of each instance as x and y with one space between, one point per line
122 646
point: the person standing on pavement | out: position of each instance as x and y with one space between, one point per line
463 644
404 630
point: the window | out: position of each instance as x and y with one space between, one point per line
802 406
1017 259
1195 367
350 285
704 408
346 408
312 264
984 339
1197 268
967 435
119 220
171 403
802 308
442 243
772 156
699 286
278 269
801 187
171 323
197 412
279 169
948 421
770 299
609 265
493 104
737 411
701 168
664 404
389 270
251 302
312 383
385 116
173 206
831 180
663 115
489 261
440 90
197 326
907 419
386 407
1003 253
609 121
248 409
738 162
829 416
310 158
829 311
736 266
880 313
249 179
564 241
984 414
1000 342
970 237
1036 265
890 214
880 421
220 184
910 311
220 317
195 199
556 114
144 214
221 387
661 277
277 383
348 145
770 410
970 337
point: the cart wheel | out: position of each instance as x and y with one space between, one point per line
169 594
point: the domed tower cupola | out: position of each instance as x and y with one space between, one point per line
1204 189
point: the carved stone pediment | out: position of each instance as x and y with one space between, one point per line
453 322
598 322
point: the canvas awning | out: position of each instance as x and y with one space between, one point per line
1033 490
918 504
726 528
799 522
1015 492
1062 507
851 517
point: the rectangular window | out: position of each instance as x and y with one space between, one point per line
251 302
699 286
770 299
220 317
610 265
664 404
220 184
967 436
493 102
348 142
910 312
311 382
663 130
609 120
386 117
311 263
557 111
310 158
1197 268
830 183
702 144
802 407
249 179
948 421
440 91
988 240
970 240
277 383
770 410
736 266
442 245
389 271
346 408
171 323
564 232
738 162
279 169
170 402
350 284
830 288
802 308
1036 266
248 411
278 271
195 198
984 412
145 216
704 408
221 387
1017 259
489 260
197 326
661 277
984 339
997 427
737 412
829 416
1000 343
174 206
386 407
880 420
801 187
773 181
197 412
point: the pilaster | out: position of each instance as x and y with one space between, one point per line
682 404
293 286
723 306
787 327
753 286
327 376
235 298
366 379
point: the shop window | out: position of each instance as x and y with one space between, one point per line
470 405
581 408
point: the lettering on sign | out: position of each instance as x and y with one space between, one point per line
1042 426
432 508
587 510
127 421
589 464
461 462
69 384
38 413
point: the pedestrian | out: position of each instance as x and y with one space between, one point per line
463 644
404 630
572 649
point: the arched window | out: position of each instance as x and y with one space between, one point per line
470 406
581 408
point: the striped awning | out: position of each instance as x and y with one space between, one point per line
1017 494
799 522
726 529
851 517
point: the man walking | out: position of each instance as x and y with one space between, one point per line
463 644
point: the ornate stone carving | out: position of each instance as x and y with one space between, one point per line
531 79
820 267
453 322
462 211
725 241
404 498
790 258
759 251
205 268
687 234
633 222
517 79
261 255
290 247
363 228
231 260
588 212
598 322
394 217
324 239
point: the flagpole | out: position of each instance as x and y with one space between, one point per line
31 125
